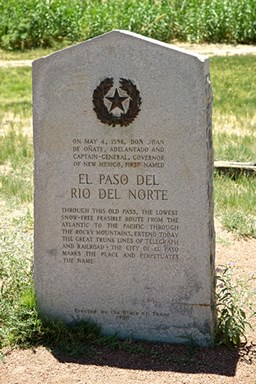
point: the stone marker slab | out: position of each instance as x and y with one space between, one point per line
124 231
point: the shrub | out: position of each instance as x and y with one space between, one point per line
235 307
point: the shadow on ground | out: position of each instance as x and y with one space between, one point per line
161 357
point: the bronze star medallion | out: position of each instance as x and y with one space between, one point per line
116 101
116 105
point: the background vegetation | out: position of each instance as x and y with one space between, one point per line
43 23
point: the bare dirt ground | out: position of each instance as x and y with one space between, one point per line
204 365
219 49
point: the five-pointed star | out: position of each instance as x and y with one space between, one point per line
116 100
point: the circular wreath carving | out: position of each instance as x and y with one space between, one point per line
101 110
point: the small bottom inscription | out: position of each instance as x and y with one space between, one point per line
123 314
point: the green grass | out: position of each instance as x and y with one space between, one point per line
234 147
16 165
234 107
16 153
234 83
15 186
15 90
235 203
15 149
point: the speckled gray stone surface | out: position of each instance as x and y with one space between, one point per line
124 230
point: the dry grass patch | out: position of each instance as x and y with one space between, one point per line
234 125
18 122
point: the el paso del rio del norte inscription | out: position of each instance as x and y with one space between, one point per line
91 233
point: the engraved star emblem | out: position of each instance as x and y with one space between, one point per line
117 101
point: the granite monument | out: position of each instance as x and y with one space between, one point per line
124 232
